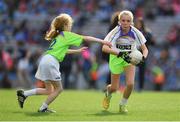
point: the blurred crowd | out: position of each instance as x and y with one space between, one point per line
23 24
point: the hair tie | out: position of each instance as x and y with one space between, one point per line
57 31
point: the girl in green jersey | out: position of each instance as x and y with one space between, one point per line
61 39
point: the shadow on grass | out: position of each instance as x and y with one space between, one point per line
16 112
36 114
107 113
31 113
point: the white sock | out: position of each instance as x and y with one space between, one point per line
43 106
30 92
123 101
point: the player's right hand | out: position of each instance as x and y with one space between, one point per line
125 56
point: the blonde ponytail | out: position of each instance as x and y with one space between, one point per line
63 22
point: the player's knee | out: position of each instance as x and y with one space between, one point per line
59 90
113 90
48 92
130 86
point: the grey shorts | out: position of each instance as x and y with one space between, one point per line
48 69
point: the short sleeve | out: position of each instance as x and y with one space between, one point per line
73 38
111 34
140 37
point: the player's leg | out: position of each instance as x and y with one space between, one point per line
57 89
110 89
129 74
114 83
22 95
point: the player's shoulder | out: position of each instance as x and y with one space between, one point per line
68 33
136 31
63 34
115 30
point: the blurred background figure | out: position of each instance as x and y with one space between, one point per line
23 71
65 68
103 75
93 72
158 78
6 64
89 67
105 56
139 24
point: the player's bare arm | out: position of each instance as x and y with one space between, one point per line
108 49
93 39
144 50
73 51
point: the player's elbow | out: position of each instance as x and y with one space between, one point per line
86 38
145 51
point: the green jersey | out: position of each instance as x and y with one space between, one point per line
59 45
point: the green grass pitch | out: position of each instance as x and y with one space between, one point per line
77 105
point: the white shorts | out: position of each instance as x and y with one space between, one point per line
48 69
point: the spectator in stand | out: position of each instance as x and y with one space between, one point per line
6 63
23 70
65 68
139 24
176 6
86 64
173 35
165 8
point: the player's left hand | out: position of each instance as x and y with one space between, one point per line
82 49
142 61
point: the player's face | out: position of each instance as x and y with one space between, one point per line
125 22
138 24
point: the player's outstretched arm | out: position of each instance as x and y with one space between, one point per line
93 39
73 51
108 49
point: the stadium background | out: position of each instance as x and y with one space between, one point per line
23 24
